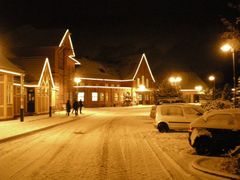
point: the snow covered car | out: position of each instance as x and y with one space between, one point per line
176 116
215 131
153 112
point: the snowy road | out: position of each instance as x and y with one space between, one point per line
112 143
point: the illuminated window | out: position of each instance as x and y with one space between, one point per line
81 96
115 96
138 82
94 96
143 83
101 96
147 83
106 96
9 94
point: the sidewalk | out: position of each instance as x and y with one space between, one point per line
13 129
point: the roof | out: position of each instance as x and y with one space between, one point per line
93 69
7 65
28 36
33 67
127 66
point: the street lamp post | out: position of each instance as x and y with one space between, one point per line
212 79
77 81
227 48
175 80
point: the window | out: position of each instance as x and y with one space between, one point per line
115 96
94 96
106 96
220 121
190 111
143 83
172 111
9 94
147 83
81 96
138 82
101 96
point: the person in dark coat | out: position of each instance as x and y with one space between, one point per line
80 106
75 107
68 107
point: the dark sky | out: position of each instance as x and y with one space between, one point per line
175 35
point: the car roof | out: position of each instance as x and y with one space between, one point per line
222 111
178 104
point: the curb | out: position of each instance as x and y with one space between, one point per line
195 165
24 134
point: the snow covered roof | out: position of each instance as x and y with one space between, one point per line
7 65
33 67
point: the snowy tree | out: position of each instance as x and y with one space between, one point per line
166 91
226 92
217 104
127 99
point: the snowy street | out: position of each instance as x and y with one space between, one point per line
110 143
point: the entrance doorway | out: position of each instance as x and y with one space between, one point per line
31 100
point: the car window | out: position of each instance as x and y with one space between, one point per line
190 111
220 120
171 111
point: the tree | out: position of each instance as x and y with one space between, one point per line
166 91
226 92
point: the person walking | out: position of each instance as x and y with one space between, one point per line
75 107
68 107
80 106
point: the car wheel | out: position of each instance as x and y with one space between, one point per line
203 145
162 127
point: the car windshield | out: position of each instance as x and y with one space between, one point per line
171 111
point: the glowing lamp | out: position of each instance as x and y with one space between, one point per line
77 80
198 88
211 78
142 88
226 48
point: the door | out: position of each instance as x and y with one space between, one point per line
31 100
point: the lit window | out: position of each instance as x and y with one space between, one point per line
94 96
81 96
147 83
143 80
101 97
106 96
115 96
9 94
138 82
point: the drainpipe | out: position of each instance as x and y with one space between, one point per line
22 98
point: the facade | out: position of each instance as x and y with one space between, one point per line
56 45
104 85
38 86
8 71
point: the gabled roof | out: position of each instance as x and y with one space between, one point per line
124 68
93 69
128 66
8 67
34 68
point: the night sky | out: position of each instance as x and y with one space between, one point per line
175 35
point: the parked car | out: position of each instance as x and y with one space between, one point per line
176 116
153 111
215 131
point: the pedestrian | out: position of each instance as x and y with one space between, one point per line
75 107
80 106
68 107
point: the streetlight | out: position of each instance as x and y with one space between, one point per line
77 80
227 48
212 79
175 80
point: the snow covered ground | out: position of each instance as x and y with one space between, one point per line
110 143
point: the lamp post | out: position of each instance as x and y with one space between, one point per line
77 80
227 48
175 80
212 79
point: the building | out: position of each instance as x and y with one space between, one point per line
127 78
8 71
38 86
56 45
